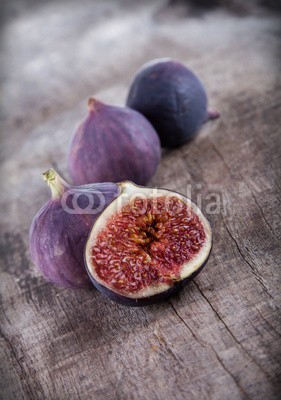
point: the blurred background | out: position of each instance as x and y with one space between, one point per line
54 54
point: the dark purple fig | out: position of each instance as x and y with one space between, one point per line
172 98
60 229
113 144
146 244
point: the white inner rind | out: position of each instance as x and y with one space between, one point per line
129 191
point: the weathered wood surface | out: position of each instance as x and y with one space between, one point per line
220 337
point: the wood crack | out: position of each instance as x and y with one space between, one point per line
268 323
231 333
183 321
6 317
168 349
263 215
208 345
221 158
235 380
119 378
257 276
24 375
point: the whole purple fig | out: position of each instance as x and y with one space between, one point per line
59 231
172 98
113 144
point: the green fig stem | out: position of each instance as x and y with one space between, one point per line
57 185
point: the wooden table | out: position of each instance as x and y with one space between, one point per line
220 337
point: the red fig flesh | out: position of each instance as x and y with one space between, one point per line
60 229
145 244
113 144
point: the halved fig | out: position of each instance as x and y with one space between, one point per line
146 244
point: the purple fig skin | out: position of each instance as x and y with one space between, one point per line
172 98
113 144
60 229
146 301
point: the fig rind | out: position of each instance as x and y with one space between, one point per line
141 302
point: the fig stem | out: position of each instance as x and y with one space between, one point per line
91 104
55 183
213 115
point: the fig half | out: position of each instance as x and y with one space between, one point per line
146 244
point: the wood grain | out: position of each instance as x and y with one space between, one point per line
220 337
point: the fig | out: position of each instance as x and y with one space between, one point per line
172 98
59 231
113 144
146 244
